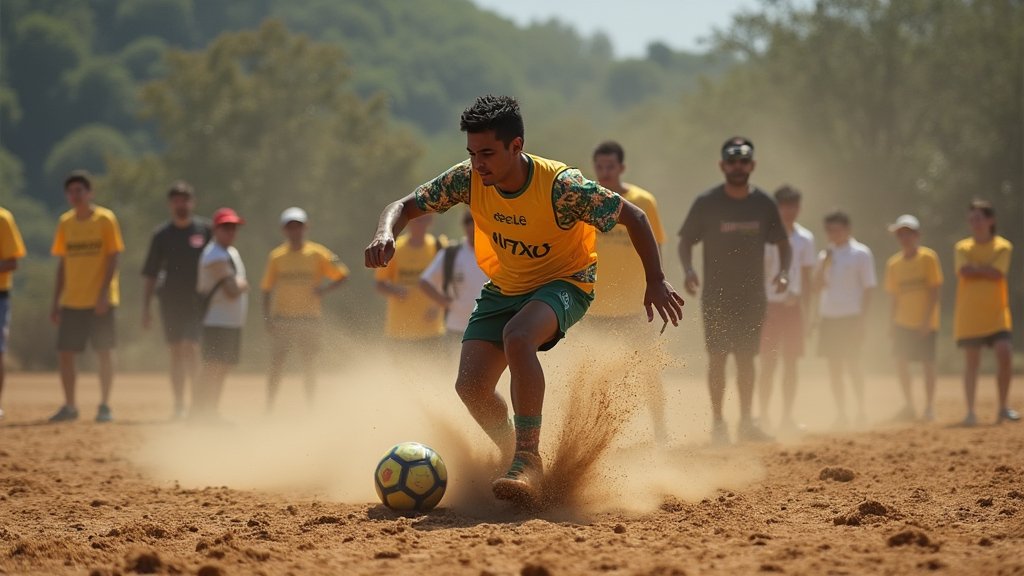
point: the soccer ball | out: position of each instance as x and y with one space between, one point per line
410 476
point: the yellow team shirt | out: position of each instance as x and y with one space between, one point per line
909 281
982 305
293 275
415 317
11 245
84 246
621 283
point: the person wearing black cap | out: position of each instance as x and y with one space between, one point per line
734 221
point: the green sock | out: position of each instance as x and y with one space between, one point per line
527 434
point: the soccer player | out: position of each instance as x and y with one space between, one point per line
222 282
846 279
86 294
170 272
414 321
12 249
454 279
913 278
735 221
616 309
982 317
298 274
535 225
783 332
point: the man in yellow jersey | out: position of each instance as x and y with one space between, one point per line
982 317
88 243
293 288
913 277
12 249
616 309
535 222
414 321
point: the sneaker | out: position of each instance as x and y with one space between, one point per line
1008 415
750 432
970 421
904 416
521 484
929 415
104 414
720 434
65 414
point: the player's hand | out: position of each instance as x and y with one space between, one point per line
691 283
381 250
55 315
399 292
661 296
781 283
102 305
147 319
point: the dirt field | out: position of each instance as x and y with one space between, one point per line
292 494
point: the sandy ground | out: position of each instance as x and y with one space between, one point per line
292 493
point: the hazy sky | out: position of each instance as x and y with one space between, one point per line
631 24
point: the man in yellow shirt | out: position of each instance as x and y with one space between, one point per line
616 309
412 317
293 289
982 317
913 277
12 249
88 243
535 224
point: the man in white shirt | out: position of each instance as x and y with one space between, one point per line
224 288
453 280
846 279
783 332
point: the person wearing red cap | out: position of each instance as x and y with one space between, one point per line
224 289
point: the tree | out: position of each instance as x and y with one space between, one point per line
89 148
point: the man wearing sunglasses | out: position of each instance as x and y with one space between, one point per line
734 220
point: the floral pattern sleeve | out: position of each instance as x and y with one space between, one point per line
450 188
577 199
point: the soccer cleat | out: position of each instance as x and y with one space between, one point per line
749 432
521 484
104 414
1008 415
720 434
65 414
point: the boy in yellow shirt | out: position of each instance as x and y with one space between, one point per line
293 289
616 309
913 278
982 317
535 223
12 249
88 243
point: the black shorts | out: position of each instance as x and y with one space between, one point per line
840 338
222 345
81 326
296 333
913 345
180 318
984 341
733 326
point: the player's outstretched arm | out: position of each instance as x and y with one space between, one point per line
392 221
660 295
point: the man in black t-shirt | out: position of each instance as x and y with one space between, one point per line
734 221
170 272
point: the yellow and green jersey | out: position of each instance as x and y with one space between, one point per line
12 246
85 246
416 316
982 305
293 276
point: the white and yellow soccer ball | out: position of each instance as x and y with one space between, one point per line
411 476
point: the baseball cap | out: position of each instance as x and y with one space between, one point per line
294 214
905 221
226 216
737 147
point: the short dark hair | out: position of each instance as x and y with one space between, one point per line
837 217
180 188
986 208
80 176
498 113
787 194
610 147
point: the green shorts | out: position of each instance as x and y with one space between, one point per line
493 310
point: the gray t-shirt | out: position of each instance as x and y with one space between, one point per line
224 311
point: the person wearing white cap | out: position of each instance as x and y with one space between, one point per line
913 278
298 274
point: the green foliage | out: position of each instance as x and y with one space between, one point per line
88 148
170 20
144 58
104 91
